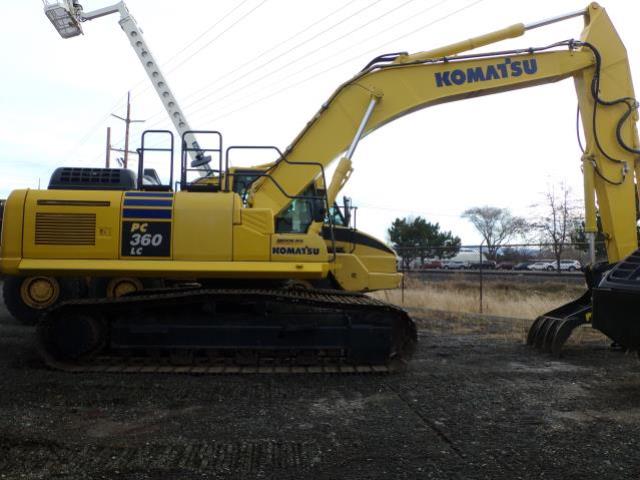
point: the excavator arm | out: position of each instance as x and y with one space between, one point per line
393 86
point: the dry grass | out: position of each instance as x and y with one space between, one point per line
508 309
500 299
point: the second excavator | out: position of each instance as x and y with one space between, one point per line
259 269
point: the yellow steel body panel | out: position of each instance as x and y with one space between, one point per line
11 246
352 274
375 264
202 226
252 236
174 268
54 238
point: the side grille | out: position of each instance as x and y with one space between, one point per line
65 178
65 229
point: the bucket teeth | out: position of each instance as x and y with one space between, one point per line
533 330
549 332
564 332
550 335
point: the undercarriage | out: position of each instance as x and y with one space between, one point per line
199 330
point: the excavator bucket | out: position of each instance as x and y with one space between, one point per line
550 331
610 305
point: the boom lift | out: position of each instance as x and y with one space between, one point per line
67 17
244 249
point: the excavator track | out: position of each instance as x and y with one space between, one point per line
218 331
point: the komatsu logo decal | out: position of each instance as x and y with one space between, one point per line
508 68
295 251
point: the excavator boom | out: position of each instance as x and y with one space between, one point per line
405 83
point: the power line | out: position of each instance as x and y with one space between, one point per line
307 79
377 34
406 211
292 62
313 76
218 36
304 69
295 47
262 54
177 54
223 18
91 131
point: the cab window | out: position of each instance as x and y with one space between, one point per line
300 213
335 215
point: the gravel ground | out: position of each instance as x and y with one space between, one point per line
476 403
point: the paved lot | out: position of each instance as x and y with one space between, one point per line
476 403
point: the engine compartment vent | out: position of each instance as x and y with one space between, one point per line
65 229
72 178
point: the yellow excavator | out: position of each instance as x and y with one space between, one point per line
233 268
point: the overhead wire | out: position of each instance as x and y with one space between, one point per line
306 55
311 77
261 55
191 56
195 40
317 62
256 68
91 131
143 81
421 12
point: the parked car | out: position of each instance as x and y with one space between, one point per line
539 266
522 266
486 265
455 265
506 266
570 265
431 264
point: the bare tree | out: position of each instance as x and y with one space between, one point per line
559 219
496 225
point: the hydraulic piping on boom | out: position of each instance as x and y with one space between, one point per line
259 265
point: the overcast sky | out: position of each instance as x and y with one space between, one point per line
257 70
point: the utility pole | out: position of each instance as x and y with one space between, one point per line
108 157
127 122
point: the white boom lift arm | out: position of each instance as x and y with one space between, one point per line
67 17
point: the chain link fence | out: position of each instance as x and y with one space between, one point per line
481 267
519 257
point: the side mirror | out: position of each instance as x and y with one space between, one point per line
347 210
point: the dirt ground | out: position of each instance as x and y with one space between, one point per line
476 403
